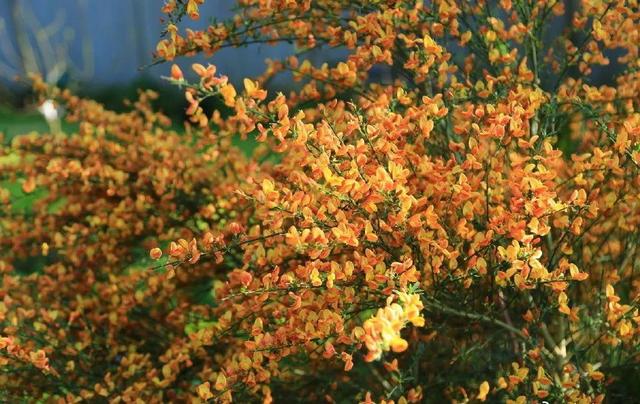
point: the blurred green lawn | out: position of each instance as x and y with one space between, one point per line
14 123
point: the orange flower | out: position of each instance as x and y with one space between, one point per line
176 73
155 253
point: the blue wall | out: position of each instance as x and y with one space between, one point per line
123 34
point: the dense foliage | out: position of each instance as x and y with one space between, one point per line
450 213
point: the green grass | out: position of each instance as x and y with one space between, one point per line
13 123
22 203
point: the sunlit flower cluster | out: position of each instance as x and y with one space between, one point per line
382 331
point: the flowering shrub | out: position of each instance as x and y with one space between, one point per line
462 230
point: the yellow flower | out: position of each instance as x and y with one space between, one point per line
382 331
484 390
